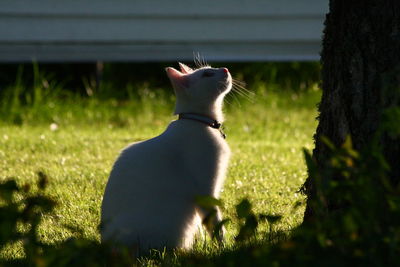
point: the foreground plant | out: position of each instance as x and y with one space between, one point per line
22 208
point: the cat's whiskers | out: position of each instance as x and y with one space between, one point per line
199 61
239 88
240 83
242 86
228 102
241 94
235 99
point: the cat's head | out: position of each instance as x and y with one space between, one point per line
199 89
205 81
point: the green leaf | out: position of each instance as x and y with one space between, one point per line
327 142
348 147
348 143
207 202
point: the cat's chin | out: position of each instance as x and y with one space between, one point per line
228 82
224 89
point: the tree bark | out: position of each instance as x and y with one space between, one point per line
360 79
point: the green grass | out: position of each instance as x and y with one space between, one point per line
266 137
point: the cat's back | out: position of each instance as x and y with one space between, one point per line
141 167
146 155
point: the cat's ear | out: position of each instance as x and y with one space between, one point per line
184 68
177 78
173 74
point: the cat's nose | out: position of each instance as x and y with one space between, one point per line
225 70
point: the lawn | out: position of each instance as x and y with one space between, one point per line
75 140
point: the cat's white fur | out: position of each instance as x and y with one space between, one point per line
149 198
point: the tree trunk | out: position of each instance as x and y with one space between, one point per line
360 79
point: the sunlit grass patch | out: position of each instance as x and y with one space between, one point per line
75 141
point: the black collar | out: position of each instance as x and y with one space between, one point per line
203 119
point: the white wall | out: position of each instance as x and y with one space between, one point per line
157 30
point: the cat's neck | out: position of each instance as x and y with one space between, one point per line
212 110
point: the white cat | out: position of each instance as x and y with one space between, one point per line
149 198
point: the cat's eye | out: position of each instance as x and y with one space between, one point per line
207 73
